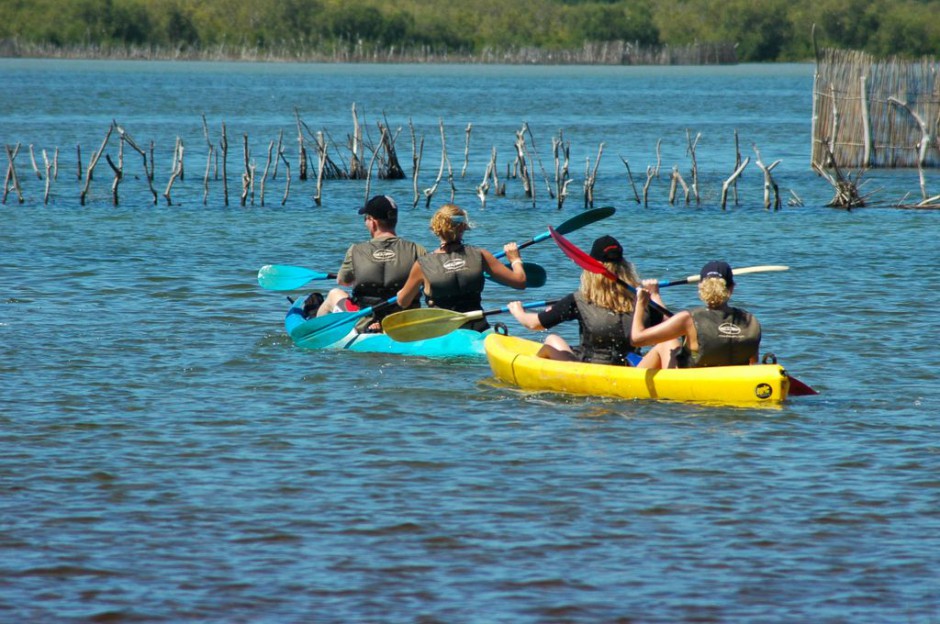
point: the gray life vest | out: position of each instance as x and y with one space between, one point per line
605 334
455 278
726 337
381 267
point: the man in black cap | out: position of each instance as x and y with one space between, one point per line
375 269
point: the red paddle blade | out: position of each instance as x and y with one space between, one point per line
798 388
580 258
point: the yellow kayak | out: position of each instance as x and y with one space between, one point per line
514 362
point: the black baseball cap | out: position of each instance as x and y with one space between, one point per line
607 249
381 207
717 268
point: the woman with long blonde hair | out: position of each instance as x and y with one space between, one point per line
602 307
453 275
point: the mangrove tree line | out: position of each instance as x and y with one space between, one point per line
769 30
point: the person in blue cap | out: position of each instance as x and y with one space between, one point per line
603 308
717 334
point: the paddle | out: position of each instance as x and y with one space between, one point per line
424 323
534 274
324 330
574 223
286 277
694 279
586 262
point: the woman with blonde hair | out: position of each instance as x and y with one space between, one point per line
453 275
602 307
715 335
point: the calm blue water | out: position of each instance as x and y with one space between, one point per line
166 454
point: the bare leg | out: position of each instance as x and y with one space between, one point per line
332 299
556 348
662 355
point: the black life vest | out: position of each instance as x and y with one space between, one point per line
605 334
726 337
381 267
456 281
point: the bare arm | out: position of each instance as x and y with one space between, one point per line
514 277
412 285
346 276
528 319
674 327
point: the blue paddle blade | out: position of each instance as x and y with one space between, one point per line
322 331
535 275
286 277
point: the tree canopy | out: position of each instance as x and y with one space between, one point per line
772 30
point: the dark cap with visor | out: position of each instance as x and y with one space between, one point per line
717 268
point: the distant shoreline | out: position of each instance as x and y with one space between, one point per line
601 53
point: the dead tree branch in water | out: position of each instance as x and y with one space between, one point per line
466 151
630 176
11 175
417 151
769 183
177 170
690 150
561 152
590 177
94 161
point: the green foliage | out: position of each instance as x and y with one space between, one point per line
766 31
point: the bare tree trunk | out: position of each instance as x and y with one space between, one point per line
177 170
286 176
223 145
355 163
94 161
429 192
590 177
32 159
691 151
466 153
630 176
732 181
248 176
769 183
126 137
522 165
11 175
650 174
45 161
417 150
118 170
267 166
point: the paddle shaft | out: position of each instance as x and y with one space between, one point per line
693 279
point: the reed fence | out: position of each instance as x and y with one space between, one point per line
875 113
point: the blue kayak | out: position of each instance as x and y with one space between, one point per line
459 343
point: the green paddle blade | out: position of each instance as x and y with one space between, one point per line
424 323
535 275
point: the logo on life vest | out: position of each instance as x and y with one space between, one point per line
729 329
763 391
455 264
383 255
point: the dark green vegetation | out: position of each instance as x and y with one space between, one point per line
769 30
